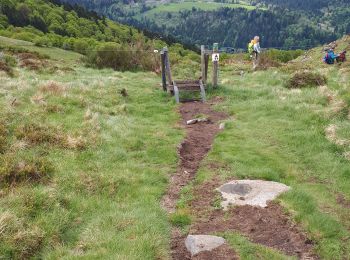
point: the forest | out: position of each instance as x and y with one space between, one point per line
283 24
71 27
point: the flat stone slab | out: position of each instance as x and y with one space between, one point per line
198 243
250 192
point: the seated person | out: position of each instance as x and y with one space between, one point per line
330 57
341 57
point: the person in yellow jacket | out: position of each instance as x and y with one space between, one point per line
254 51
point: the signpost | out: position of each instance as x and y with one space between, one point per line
215 59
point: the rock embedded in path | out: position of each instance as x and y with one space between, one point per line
250 192
199 243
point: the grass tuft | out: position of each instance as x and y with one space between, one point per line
38 134
17 240
16 170
52 88
303 79
3 137
180 218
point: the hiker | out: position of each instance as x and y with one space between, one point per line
341 57
254 51
330 57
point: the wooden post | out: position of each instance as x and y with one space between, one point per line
162 58
167 66
215 65
204 80
206 59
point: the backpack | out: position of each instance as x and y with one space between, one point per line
250 48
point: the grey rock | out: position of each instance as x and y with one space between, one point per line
250 192
198 243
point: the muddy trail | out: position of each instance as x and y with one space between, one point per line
269 226
197 143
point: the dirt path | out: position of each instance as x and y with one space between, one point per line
198 141
269 226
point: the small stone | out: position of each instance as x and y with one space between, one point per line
198 243
192 121
222 126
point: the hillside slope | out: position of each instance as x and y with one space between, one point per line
86 156
303 25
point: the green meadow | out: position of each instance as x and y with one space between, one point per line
83 167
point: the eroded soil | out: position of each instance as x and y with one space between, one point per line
269 226
198 141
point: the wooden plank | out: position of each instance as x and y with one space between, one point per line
187 81
187 88
162 58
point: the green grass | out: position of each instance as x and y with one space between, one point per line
250 251
102 200
202 5
54 53
279 135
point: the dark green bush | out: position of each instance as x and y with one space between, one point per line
283 55
122 57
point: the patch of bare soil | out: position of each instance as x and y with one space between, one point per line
5 67
31 61
343 201
194 148
268 226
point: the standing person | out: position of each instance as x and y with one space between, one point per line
256 52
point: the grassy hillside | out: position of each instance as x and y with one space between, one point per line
83 167
103 43
283 24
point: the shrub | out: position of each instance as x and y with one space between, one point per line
302 79
283 55
122 57
10 61
42 42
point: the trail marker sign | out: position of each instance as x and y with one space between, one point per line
215 57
